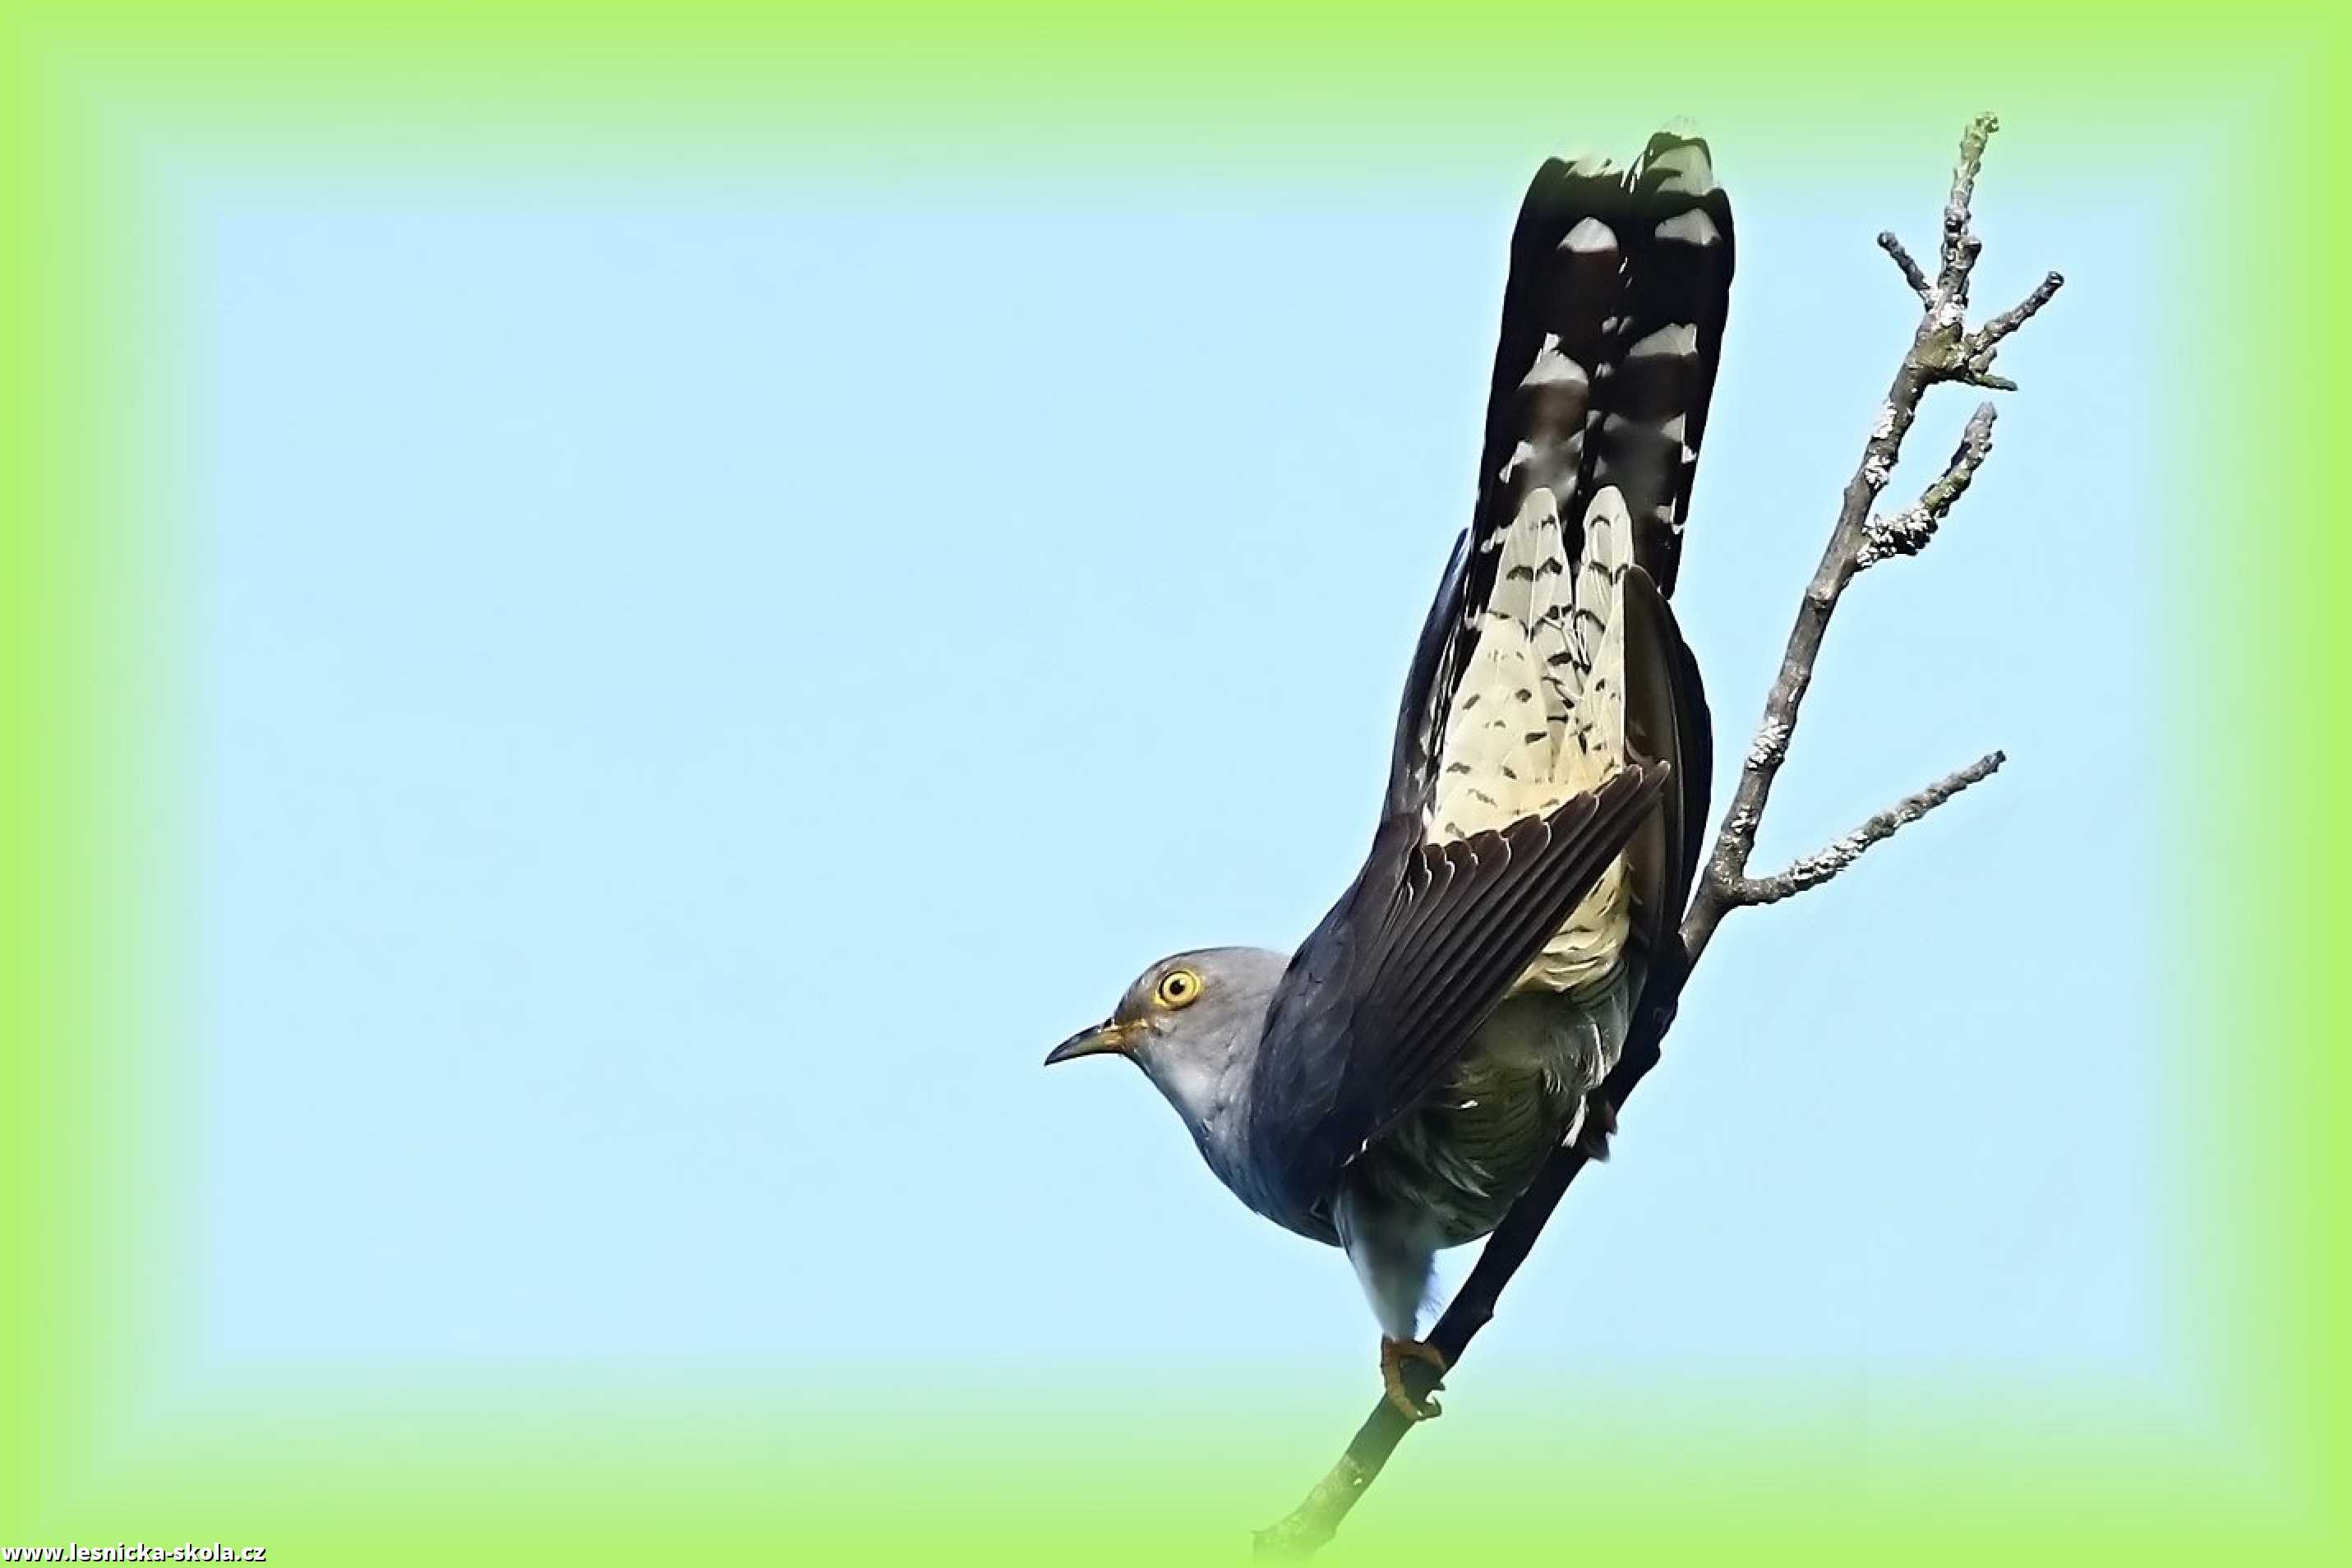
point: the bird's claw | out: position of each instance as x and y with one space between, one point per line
1394 1353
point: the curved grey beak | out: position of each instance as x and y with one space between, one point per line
1095 1039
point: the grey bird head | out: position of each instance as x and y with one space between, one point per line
1193 1022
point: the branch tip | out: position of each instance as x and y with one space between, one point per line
1987 338
1903 261
1826 863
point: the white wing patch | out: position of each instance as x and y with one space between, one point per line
1540 713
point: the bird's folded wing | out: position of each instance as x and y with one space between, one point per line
1379 1002
1421 717
1665 717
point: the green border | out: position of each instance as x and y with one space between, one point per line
99 1440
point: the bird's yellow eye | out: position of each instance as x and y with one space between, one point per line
1178 988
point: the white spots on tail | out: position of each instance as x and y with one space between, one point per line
1590 237
1692 228
1687 169
1553 368
1676 340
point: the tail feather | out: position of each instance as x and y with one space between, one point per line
1612 326
1678 260
1551 659
1563 662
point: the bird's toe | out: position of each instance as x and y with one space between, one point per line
1394 1353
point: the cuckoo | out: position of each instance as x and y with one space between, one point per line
1392 1086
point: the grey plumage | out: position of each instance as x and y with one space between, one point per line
1393 1085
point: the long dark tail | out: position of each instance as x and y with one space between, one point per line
1612 325
1624 276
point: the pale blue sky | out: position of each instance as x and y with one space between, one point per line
701 681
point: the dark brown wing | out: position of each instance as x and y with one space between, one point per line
1381 1001
1666 719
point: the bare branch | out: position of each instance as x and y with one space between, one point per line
1909 530
1941 350
1979 346
1961 246
1987 338
1911 273
1813 870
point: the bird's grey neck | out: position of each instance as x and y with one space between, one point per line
1209 1089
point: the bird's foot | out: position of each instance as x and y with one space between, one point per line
1394 1353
